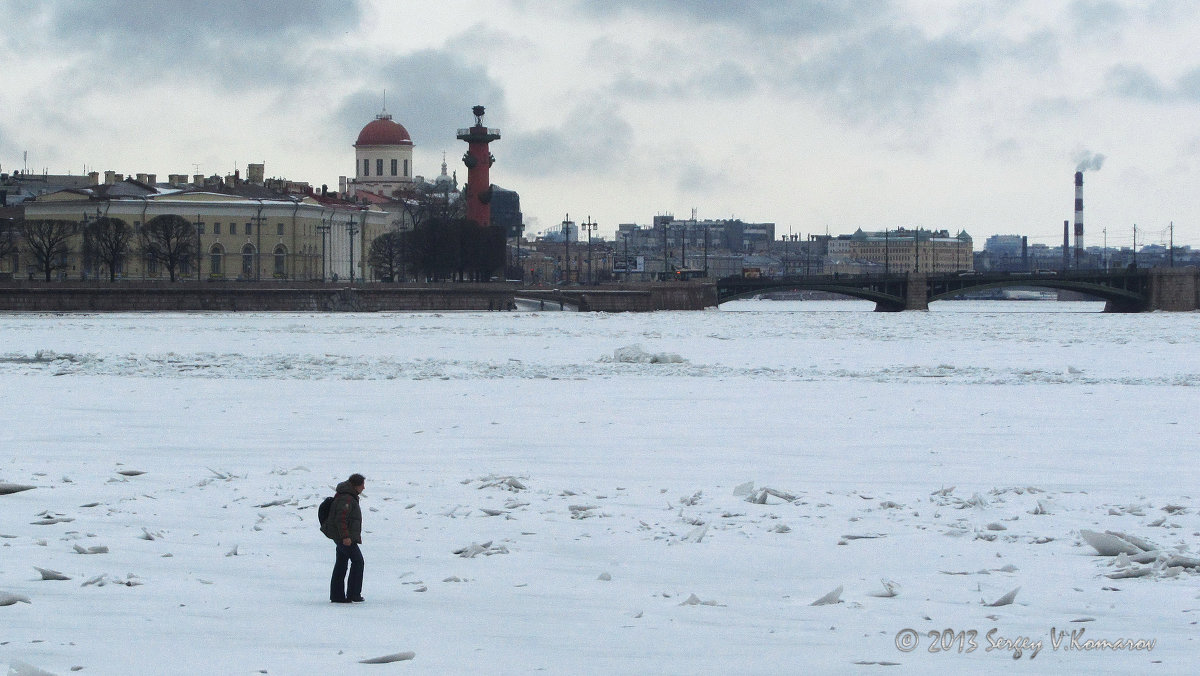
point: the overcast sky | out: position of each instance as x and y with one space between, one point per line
818 115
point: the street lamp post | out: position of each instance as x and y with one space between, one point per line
196 226
589 227
566 231
351 230
917 250
666 262
258 223
887 247
517 237
683 246
627 271
324 228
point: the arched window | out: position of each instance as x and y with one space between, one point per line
248 261
280 261
216 257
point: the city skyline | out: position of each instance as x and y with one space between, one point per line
817 116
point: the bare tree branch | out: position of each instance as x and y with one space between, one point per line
48 241
171 240
108 241
386 256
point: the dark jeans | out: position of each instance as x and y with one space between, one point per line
340 588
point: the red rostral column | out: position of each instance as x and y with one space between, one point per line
479 161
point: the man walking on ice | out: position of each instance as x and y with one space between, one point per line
344 527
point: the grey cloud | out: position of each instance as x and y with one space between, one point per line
1134 82
725 79
430 92
1188 85
696 179
593 137
237 44
483 40
190 24
887 73
1040 49
1097 17
797 17
1005 150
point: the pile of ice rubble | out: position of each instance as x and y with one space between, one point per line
634 354
1136 557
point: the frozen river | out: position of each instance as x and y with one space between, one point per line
953 456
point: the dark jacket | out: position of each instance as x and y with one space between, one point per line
345 517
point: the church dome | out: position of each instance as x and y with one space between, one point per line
382 131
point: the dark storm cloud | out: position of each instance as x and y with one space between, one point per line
794 18
240 44
888 73
593 138
430 92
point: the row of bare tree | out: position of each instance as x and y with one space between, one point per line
167 240
437 250
440 243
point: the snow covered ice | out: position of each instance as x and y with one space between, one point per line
599 493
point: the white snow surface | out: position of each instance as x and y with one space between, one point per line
617 506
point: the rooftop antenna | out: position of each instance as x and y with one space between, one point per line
383 114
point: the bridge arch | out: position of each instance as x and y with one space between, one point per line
1122 290
1118 298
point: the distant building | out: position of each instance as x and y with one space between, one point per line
506 211
382 159
900 250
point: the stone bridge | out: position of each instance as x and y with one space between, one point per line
1129 290
1139 290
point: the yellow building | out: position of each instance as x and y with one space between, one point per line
297 237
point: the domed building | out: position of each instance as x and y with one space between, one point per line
383 158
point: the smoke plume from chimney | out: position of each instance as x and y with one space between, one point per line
1087 161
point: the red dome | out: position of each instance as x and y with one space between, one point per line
382 131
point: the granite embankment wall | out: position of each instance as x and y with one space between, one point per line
125 296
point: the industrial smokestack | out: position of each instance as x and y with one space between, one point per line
1078 218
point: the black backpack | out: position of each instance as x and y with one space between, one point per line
324 509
